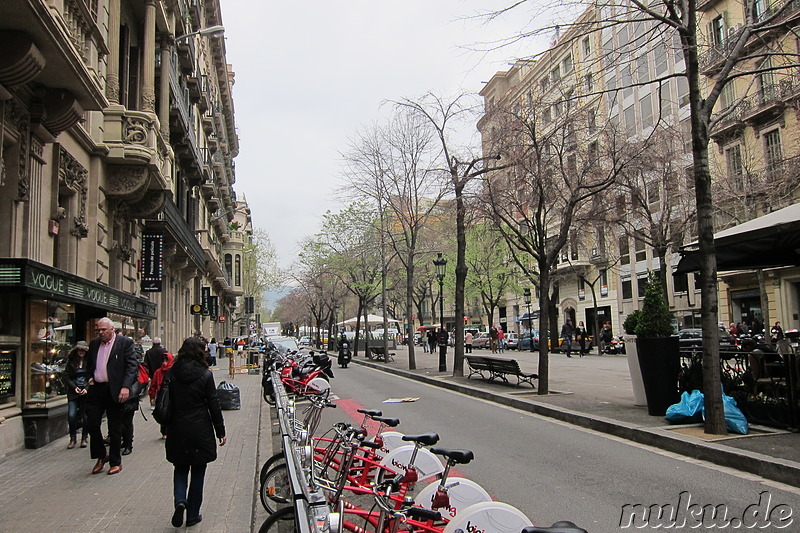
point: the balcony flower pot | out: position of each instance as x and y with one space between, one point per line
658 349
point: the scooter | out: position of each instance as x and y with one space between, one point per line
345 355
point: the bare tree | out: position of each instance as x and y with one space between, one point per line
443 116
392 166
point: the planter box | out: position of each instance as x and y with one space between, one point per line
659 361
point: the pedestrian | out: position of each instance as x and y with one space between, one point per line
213 348
76 378
493 338
566 333
432 341
468 342
581 336
777 332
112 368
501 340
154 357
196 418
605 338
732 330
423 339
157 382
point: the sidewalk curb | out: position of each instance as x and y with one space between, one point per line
775 469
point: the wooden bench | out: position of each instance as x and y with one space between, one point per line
498 368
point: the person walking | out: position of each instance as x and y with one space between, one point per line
76 378
196 418
154 357
213 348
581 336
566 333
501 340
112 367
432 341
468 342
493 338
777 332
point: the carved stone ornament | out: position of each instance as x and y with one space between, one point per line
75 177
149 206
136 131
127 182
20 119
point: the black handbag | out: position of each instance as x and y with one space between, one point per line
163 408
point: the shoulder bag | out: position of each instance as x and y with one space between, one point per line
163 408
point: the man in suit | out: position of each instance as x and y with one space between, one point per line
113 368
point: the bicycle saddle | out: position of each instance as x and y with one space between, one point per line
391 422
370 412
426 439
460 457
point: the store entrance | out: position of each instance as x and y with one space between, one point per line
746 309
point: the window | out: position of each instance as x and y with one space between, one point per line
627 289
624 251
643 69
683 91
772 150
566 65
587 46
646 109
546 115
238 260
593 155
653 195
680 283
229 266
733 160
591 119
557 109
660 58
641 284
544 84
639 248
728 95
555 75
766 81
717 30
626 81
630 120
589 82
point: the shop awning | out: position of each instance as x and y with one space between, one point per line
768 241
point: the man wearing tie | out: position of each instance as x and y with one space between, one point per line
113 368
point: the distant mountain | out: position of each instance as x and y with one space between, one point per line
271 297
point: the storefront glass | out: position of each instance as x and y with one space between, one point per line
50 338
136 328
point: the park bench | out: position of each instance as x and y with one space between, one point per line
378 354
498 368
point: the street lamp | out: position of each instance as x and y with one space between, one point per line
211 30
526 295
440 263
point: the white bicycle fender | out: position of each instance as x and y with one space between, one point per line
426 463
489 517
463 493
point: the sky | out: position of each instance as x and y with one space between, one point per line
309 74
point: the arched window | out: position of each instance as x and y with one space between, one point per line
229 266
238 282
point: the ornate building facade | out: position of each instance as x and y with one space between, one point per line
116 181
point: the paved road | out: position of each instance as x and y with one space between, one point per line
551 470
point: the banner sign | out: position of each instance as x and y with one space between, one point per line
213 308
152 262
205 299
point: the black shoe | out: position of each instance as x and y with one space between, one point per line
193 521
177 516
568 355
127 450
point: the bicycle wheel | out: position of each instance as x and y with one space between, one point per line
269 463
281 521
276 490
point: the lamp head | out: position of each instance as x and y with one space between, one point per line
440 263
526 294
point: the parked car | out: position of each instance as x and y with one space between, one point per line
512 340
692 338
524 343
481 340
305 340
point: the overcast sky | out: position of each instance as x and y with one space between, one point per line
309 73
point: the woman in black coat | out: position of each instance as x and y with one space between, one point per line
196 417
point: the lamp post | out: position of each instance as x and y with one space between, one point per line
526 295
440 263
211 30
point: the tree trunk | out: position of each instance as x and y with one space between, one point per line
461 280
412 358
544 327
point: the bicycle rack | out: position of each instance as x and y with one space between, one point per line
312 513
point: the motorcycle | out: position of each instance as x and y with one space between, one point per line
616 346
300 374
345 355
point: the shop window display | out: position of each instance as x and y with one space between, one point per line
50 339
136 328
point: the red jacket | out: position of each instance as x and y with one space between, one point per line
158 376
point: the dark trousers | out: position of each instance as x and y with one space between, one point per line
76 416
100 402
468 348
181 483
127 429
